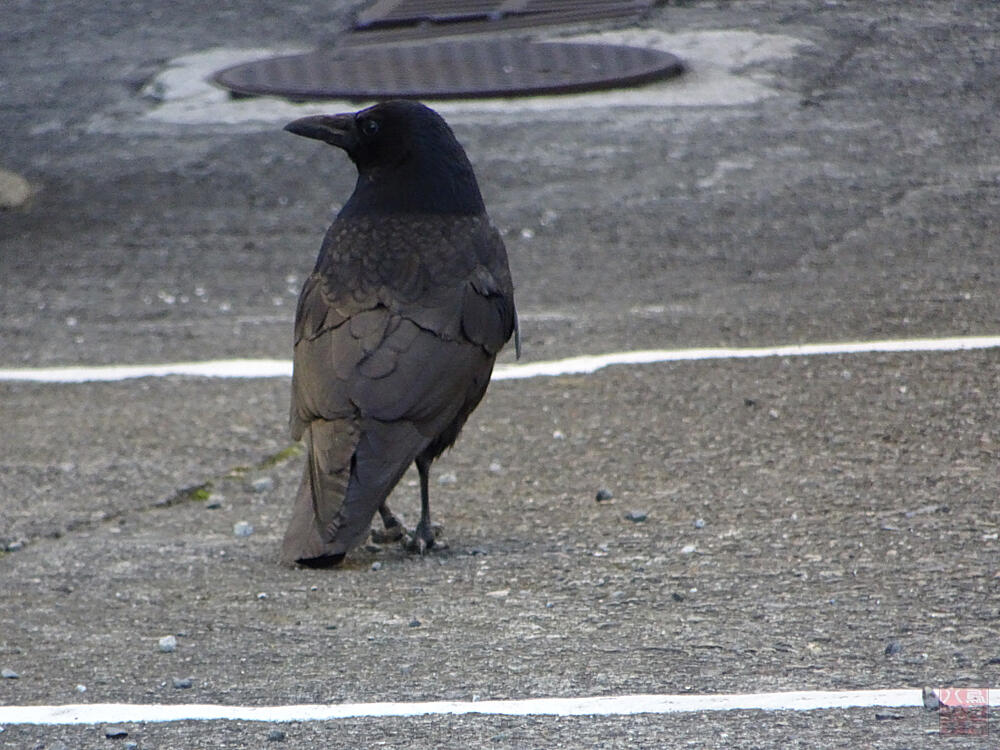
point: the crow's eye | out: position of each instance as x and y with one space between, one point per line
369 127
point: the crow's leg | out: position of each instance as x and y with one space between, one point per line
392 528
423 537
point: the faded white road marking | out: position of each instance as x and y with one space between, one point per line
809 700
272 368
220 368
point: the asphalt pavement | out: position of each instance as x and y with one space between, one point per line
823 171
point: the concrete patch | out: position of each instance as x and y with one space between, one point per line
720 73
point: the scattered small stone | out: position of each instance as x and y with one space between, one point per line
182 683
677 597
699 523
894 647
603 495
376 565
262 595
885 716
262 484
635 516
275 735
496 467
15 546
14 190
115 732
8 674
558 435
414 623
131 745
168 644
478 551
81 688
448 478
688 549
242 528
214 502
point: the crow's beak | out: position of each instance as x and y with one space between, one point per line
337 130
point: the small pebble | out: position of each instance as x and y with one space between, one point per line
168 644
214 502
448 478
262 595
81 688
15 546
115 733
275 735
558 435
376 565
414 623
242 528
699 523
687 549
262 484
894 647
603 495
9 674
496 467
131 745
182 683
635 516
677 597
887 716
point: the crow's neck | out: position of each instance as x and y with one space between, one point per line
415 189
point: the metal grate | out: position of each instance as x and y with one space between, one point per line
394 13
450 70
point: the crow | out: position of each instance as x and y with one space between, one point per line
396 330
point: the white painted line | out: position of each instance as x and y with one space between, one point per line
810 700
221 368
274 368
589 364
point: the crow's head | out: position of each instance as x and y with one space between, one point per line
407 157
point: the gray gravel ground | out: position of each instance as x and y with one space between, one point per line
849 502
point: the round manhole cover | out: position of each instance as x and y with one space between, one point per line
448 70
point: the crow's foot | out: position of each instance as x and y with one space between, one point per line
393 532
423 538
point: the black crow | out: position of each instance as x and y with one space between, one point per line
397 327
